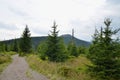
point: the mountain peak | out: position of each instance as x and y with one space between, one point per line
66 35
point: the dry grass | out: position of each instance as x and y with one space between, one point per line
73 69
4 61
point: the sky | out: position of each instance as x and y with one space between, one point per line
81 15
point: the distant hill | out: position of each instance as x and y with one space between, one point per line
67 38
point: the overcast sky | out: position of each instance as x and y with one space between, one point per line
39 15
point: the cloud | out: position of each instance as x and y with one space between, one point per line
17 12
7 26
113 2
82 15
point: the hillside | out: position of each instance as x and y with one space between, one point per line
66 38
78 42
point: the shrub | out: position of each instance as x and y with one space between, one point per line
65 71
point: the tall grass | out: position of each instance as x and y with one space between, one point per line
5 59
73 69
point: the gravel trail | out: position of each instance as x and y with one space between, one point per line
19 70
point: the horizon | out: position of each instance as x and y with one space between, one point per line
47 35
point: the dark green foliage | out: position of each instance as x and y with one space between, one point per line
82 50
105 54
56 50
72 49
42 48
25 42
65 71
2 47
10 46
6 47
15 46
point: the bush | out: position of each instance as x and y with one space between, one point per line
10 53
72 49
71 69
65 71
4 58
42 48
4 61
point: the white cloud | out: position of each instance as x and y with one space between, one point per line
82 15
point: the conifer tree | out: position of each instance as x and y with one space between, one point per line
72 48
6 47
105 54
42 48
56 50
15 46
95 36
82 50
25 42
2 47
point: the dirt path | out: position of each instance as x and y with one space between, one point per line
19 70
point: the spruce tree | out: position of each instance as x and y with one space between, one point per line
82 50
25 41
6 47
15 46
2 46
104 54
72 49
56 50
42 48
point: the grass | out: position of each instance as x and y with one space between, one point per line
72 69
28 73
5 60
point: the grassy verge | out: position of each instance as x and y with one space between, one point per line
5 60
73 69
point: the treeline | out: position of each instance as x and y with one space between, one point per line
53 49
5 47
22 45
104 52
